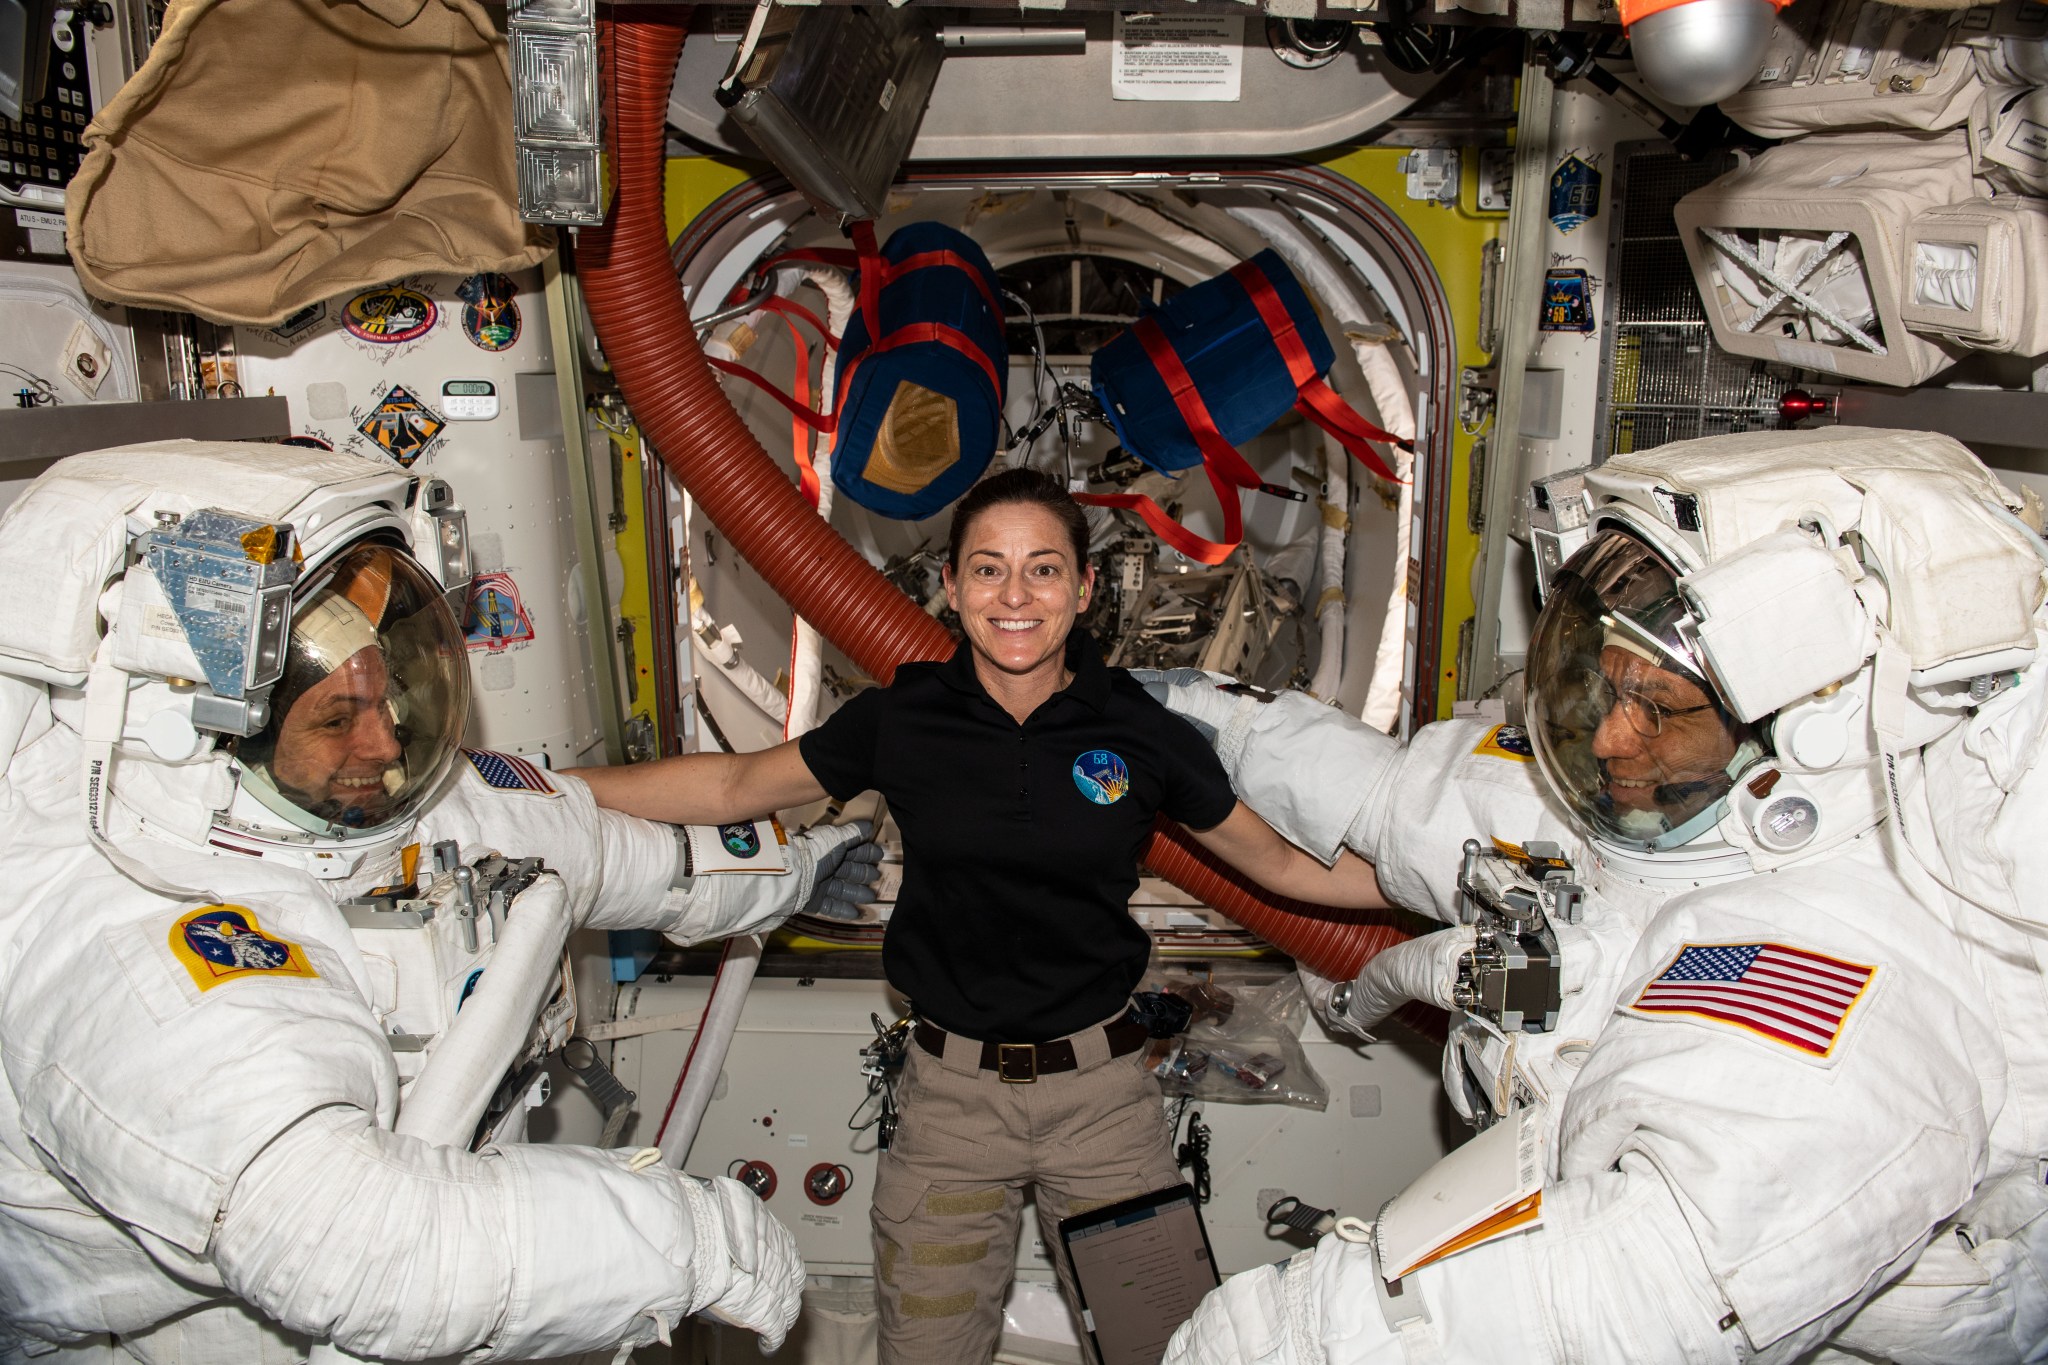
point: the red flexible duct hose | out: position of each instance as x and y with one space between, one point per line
636 304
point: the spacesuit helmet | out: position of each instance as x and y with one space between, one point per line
1628 727
369 712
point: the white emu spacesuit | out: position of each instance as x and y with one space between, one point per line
276 964
1785 722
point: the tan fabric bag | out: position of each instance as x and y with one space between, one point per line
274 153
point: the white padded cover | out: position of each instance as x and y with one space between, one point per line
63 540
1963 578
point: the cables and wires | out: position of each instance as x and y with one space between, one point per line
1192 1155
39 393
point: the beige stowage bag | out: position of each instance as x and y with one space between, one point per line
273 153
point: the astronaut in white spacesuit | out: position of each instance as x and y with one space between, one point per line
277 969
1792 1089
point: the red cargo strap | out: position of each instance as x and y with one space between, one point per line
1226 469
1317 401
893 271
824 422
790 308
870 278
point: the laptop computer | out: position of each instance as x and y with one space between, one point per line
1140 1268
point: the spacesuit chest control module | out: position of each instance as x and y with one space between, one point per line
1514 975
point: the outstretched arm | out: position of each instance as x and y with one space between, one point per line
1251 846
706 789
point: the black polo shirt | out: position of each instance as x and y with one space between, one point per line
1020 842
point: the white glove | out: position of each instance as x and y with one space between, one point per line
744 1266
1422 969
832 872
1194 695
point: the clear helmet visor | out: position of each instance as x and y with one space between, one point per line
368 716
1627 729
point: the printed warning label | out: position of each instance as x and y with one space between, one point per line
1177 57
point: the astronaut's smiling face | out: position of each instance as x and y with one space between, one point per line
338 749
1661 731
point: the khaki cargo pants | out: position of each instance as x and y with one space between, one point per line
950 1190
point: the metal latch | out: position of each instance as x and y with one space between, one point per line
1514 976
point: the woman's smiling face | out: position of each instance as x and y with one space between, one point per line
1017 589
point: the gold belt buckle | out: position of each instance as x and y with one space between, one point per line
1021 1072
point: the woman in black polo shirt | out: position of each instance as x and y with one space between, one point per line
1024 776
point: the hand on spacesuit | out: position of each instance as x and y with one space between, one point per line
832 872
1196 696
1422 969
745 1265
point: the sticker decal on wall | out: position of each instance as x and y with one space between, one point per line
497 618
1567 302
1574 193
490 314
401 426
390 315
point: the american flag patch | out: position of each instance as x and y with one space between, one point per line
1787 995
509 772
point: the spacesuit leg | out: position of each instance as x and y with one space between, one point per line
1612 1276
218 1332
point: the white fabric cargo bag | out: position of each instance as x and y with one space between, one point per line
1975 273
2009 138
1844 64
1800 256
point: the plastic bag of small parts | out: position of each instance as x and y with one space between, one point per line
1243 1044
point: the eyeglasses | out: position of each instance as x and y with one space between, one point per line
1646 717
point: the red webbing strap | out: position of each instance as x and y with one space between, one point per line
926 260
790 308
1317 401
1278 321
827 423
1172 532
1226 469
1321 404
1181 385
799 430
817 255
872 268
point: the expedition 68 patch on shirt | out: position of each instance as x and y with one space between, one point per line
1786 995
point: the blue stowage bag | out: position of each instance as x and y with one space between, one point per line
1230 354
920 407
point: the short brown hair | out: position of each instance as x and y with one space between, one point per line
1020 486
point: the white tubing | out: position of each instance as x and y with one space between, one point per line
721 644
1318 276
1156 224
448 1100
1382 709
806 670
1335 506
714 1040
446 1103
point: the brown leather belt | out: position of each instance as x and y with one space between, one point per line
1022 1063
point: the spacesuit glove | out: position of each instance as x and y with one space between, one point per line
745 1265
1422 969
1193 695
844 863
832 872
